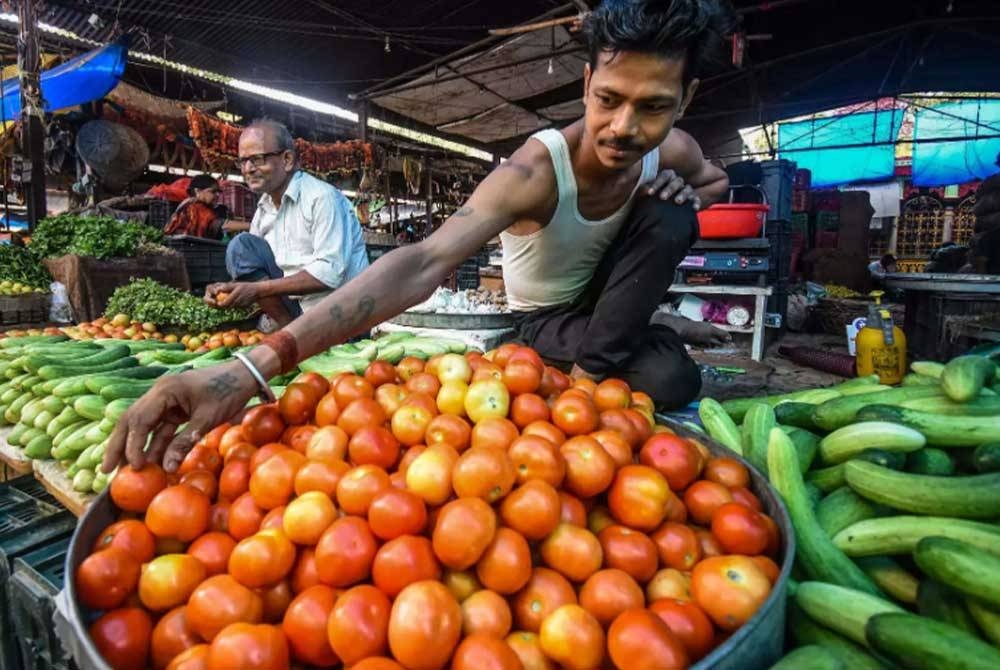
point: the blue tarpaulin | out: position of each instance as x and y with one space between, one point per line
813 145
965 158
84 78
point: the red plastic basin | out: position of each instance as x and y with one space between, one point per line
726 221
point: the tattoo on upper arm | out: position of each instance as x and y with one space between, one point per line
224 385
365 308
525 170
336 313
463 211
363 311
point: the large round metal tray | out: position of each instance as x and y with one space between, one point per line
454 321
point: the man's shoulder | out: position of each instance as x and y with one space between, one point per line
313 188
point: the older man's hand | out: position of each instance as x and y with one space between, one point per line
232 294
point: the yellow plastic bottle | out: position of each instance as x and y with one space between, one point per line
881 345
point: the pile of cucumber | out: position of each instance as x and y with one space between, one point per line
63 397
894 494
393 347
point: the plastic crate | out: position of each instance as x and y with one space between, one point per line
160 211
38 577
27 524
780 255
238 199
376 251
205 259
778 181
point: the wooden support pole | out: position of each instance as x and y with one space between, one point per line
32 111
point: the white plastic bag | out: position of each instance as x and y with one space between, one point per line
60 311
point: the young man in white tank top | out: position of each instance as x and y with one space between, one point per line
595 218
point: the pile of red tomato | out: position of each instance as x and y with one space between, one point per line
473 512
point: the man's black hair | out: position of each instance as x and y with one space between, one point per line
694 30
201 181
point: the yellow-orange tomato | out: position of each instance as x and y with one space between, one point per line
486 612
307 517
730 589
450 398
263 559
429 475
167 581
572 637
638 497
573 551
425 624
328 445
448 429
483 472
464 529
485 399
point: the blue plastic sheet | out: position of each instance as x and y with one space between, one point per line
960 160
813 146
87 77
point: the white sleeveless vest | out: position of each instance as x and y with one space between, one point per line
554 265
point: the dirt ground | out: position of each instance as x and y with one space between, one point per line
774 374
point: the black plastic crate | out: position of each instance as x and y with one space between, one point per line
205 259
28 526
38 577
376 251
778 181
779 237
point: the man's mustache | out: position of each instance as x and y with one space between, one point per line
621 146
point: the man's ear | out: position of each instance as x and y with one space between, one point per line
688 95
586 81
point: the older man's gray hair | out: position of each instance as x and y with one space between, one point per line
281 135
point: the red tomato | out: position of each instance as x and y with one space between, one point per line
105 579
130 535
244 517
359 486
484 652
262 424
249 647
639 497
213 550
272 483
464 529
133 490
219 601
448 429
677 545
521 376
298 403
727 471
304 573
740 530
608 593
630 551
686 620
195 658
493 432
393 513
171 636
262 559
486 612
545 592
360 413
589 469
380 372
746 498
305 625
573 551
532 509
704 497
528 408
358 626
575 415
179 512
535 457
345 552
425 624
403 561
409 426
483 472
328 445
674 457
640 640
122 637
505 565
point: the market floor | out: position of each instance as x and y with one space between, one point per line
775 374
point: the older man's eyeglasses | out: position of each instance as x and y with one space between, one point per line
257 160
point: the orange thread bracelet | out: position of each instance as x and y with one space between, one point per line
283 344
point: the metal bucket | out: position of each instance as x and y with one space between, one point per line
757 645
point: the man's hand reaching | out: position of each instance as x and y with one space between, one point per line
668 184
232 294
203 399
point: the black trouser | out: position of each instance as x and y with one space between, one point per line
607 330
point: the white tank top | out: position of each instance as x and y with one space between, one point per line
554 265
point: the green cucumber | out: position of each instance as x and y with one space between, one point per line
35 362
60 371
91 407
891 577
828 479
96 433
886 459
813 495
83 482
13 412
981 406
967 497
92 456
10 395
987 618
71 428
986 457
806 631
116 408
806 445
940 431
130 389
40 446
962 566
53 404
719 425
756 431
810 657
849 441
928 368
791 413
392 353
79 440
840 412
107 425
841 609
24 340
901 534
817 554
101 481
964 377
31 410
937 601
930 461
842 508
15 434
737 408
43 420
68 415
916 642
914 379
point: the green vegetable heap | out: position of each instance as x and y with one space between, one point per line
18 266
148 300
99 237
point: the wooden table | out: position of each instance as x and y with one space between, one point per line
53 477
759 293
13 462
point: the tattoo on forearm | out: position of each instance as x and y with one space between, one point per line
463 211
362 313
224 385
336 313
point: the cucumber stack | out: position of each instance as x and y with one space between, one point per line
894 494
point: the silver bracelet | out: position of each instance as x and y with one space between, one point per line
266 395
